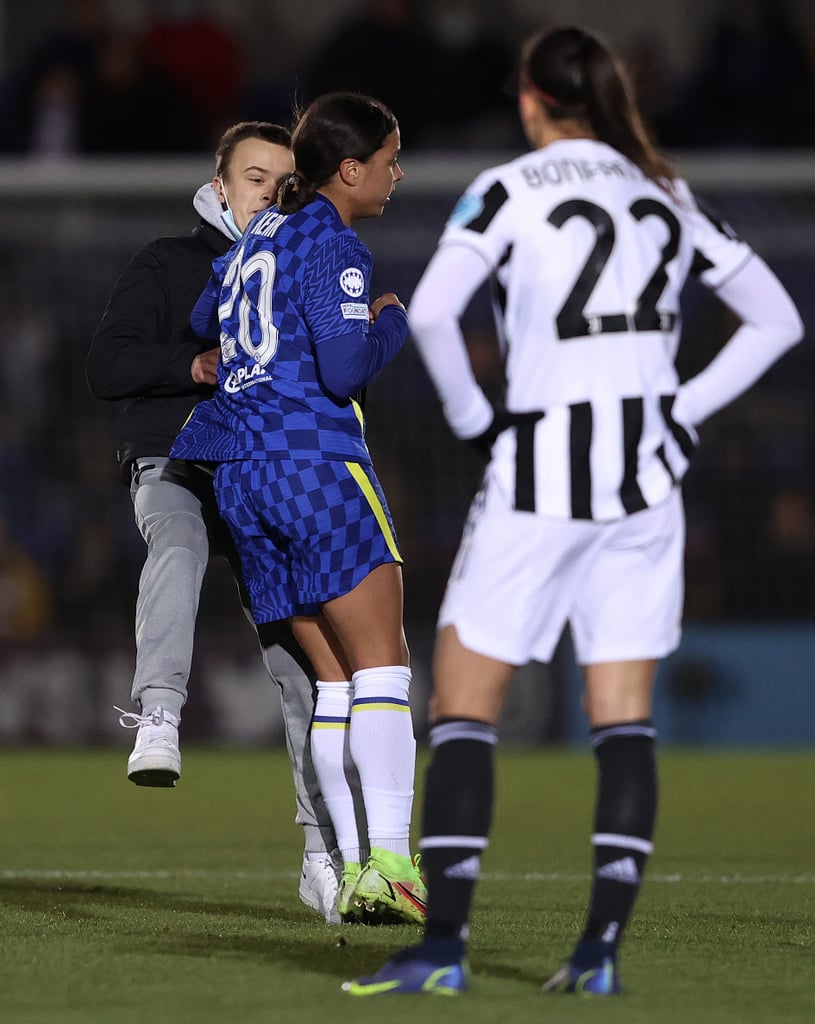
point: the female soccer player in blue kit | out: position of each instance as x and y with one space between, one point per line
295 482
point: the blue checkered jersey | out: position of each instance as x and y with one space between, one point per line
292 299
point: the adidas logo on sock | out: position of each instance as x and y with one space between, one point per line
469 868
624 870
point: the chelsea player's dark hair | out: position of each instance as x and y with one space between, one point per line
333 128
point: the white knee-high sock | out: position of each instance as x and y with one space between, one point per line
335 769
384 750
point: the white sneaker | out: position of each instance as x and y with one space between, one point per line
319 884
156 759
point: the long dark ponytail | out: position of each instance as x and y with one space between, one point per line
332 128
578 77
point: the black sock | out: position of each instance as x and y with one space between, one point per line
458 806
623 824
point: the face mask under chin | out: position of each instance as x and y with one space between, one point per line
229 223
227 218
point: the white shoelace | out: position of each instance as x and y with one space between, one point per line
328 859
133 720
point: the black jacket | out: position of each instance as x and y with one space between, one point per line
143 348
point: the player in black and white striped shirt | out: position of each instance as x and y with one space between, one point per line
589 240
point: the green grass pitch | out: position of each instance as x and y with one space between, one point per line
134 906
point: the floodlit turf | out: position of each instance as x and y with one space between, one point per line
122 905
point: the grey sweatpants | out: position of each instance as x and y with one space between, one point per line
175 510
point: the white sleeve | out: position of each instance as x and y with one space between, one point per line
450 280
770 325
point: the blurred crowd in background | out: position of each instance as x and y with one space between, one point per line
167 83
171 76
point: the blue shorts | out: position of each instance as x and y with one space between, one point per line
306 531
